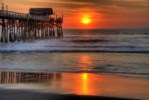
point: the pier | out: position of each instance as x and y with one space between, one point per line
39 23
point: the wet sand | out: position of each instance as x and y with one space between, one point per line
59 86
28 95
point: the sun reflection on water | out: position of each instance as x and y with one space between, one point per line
85 62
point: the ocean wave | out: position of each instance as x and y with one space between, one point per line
107 31
87 40
71 51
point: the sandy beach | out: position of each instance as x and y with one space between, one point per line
58 86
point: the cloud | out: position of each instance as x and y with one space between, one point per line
137 10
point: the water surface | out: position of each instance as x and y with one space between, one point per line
118 52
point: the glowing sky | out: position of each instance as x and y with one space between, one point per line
103 13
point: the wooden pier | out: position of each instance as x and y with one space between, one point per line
16 26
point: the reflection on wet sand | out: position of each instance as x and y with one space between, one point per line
85 83
23 77
82 83
77 83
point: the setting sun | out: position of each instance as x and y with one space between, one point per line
86 20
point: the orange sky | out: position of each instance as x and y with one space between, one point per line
103 13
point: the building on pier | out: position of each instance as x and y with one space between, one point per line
41 11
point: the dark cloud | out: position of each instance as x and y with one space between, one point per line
112 6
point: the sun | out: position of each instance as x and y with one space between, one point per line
86 20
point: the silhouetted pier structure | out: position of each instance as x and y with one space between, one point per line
38 24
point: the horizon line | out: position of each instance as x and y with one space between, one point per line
104 28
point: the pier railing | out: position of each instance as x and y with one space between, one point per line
15 15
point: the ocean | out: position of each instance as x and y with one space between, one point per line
122 52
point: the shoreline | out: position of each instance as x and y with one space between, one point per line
127 75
